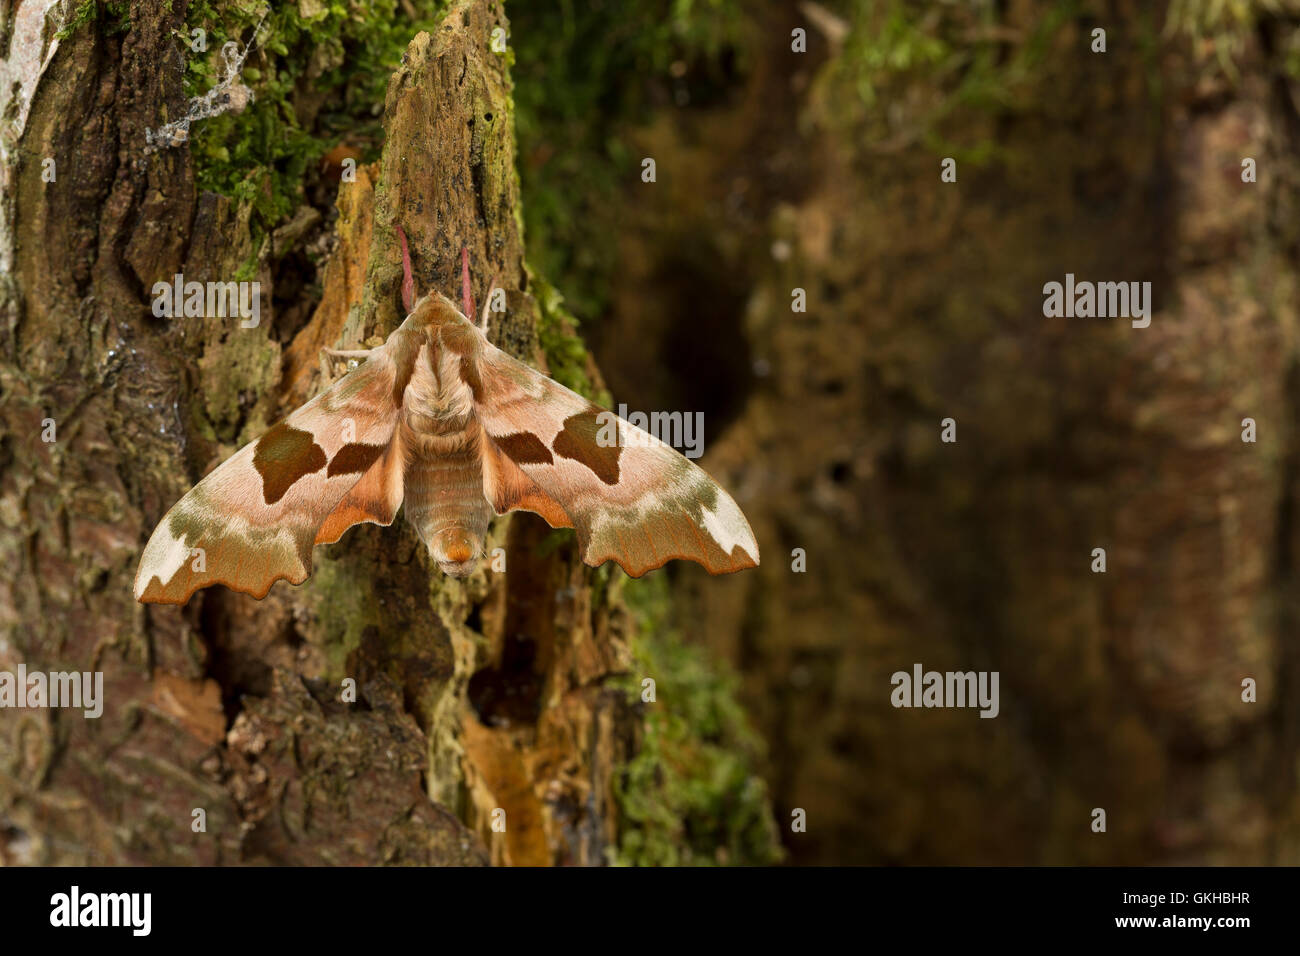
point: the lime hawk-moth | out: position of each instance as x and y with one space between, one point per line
442 421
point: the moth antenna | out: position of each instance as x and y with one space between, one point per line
408 282
487 303
347 353
466 292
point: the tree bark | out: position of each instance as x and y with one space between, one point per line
477 696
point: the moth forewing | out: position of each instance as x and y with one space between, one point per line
256 517
636 501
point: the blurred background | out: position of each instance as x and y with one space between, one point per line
820 170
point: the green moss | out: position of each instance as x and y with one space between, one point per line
318 72
565 353
115 15
691 794
584 72
935 63
942 61
247 270
83 15
242 364
1220 30
344 609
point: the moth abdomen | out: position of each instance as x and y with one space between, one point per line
444 497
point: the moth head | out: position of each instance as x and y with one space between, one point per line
456 551
435 310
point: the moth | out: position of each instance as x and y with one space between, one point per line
442 422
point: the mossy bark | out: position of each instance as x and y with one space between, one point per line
476 696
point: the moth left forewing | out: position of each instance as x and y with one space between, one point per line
631 498
255 518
